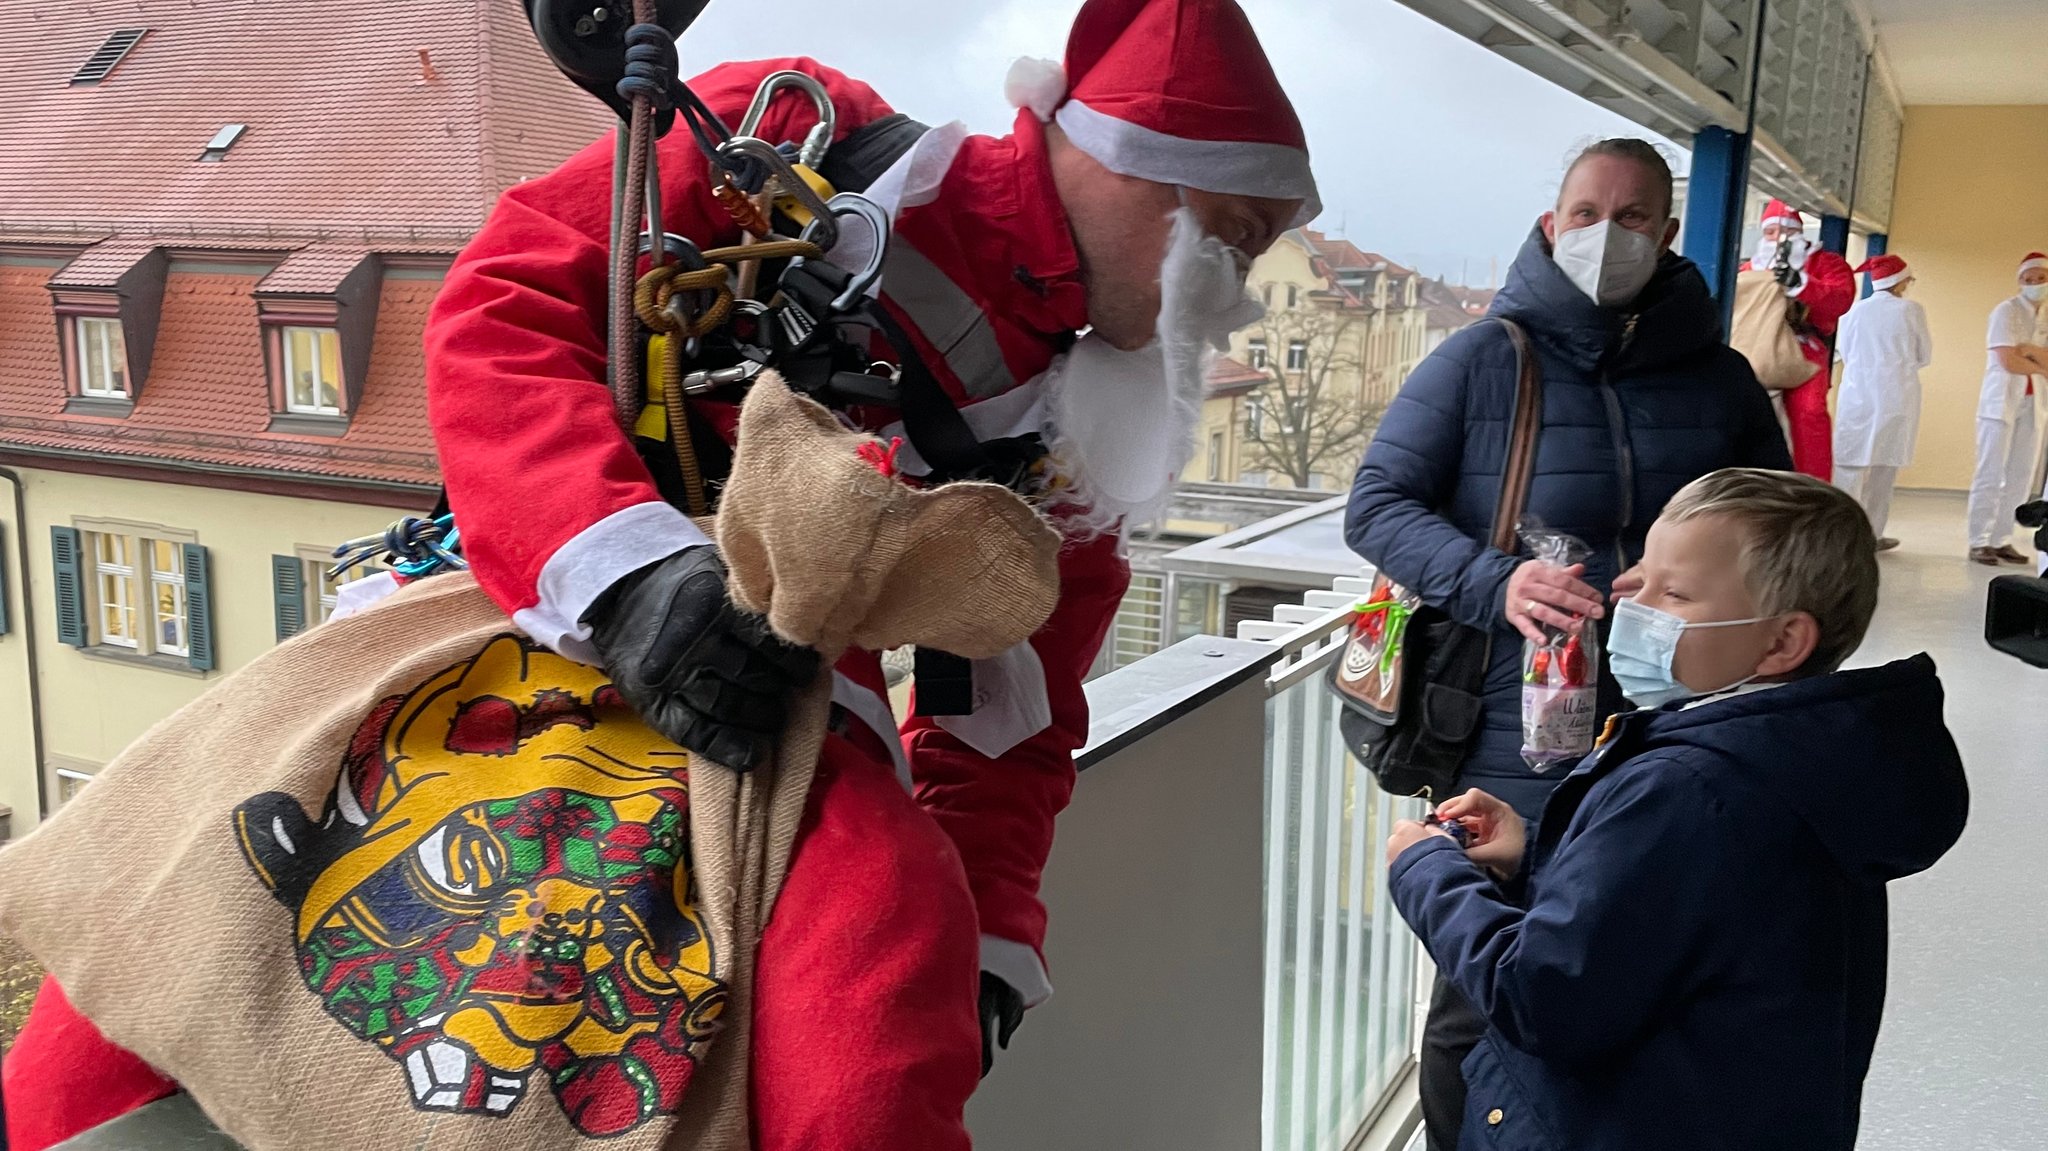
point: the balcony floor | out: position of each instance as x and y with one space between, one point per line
1965 1038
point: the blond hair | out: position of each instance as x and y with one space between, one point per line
1807 547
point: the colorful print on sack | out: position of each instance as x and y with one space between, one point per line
497 892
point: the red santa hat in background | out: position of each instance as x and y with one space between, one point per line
2031 261
1784 216
1885 271
1176 92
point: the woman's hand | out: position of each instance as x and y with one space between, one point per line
1541 593
1627 584
1408 833
1495 836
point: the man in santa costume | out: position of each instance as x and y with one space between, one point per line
1138 183
2016 367
1823 283
1884 343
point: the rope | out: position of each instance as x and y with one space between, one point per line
643 86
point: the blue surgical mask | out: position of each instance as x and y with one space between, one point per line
1641 647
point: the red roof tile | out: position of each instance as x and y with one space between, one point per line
1228 376
102 265
207 399
345 136
313 270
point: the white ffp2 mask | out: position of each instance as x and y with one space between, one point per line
2034 293
1608 262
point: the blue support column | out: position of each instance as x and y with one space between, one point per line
1834 234
1714 206
1880 242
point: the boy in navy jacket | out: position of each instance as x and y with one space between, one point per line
1696 958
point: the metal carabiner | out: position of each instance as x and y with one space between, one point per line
761 151
820 138
861 279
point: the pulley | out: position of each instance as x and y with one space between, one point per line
586 39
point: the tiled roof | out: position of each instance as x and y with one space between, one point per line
207 399
346 136
102 265
314 269
1228 376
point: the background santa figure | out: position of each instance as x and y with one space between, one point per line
1822 283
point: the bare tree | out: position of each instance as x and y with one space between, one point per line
1308 413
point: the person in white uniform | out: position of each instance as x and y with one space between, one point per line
2015 369
1883 344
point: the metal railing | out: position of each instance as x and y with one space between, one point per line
1340 967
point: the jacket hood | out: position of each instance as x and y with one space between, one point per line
1863 757
1676 317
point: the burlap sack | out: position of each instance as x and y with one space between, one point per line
1762 332
410 880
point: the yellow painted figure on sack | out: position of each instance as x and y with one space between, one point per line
498 889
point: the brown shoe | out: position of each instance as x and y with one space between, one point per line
1886 543
1986 556
2012 555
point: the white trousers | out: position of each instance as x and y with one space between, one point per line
1871 487
2005 472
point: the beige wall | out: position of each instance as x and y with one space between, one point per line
92 708
1972 199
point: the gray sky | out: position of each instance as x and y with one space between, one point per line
1427 148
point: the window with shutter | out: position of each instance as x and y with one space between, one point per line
288 591
199 609
70 587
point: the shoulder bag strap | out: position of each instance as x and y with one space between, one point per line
1521 463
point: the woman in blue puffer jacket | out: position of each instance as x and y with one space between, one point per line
1641 396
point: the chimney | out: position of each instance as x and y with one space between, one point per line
427 73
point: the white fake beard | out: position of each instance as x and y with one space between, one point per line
1121 424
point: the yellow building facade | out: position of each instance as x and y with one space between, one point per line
75 707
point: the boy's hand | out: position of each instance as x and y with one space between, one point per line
1495 836
1408 833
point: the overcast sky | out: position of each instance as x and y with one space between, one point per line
1427 148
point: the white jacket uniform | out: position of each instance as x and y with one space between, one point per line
1883 344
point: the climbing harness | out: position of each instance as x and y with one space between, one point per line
703 324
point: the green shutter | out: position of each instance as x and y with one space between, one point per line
3 580
198 610
64 546
288 591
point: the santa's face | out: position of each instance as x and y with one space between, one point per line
1775 235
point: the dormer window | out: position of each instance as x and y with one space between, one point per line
319 312
312 371
102 358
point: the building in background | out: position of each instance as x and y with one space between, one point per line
1301 393
219 239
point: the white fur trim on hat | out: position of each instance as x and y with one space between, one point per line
1036 84
2029 265
1891 281
1793 222
1226 167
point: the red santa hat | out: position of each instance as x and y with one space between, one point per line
1176 92
1885 271
1784 216
2033 260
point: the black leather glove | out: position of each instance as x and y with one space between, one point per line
702 672
1002 1010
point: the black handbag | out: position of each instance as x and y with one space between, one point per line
1410 678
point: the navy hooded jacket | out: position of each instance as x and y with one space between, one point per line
1637 403
1701 962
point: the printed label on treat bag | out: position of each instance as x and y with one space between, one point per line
1557 723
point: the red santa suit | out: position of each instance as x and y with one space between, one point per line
1828 289
919 860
